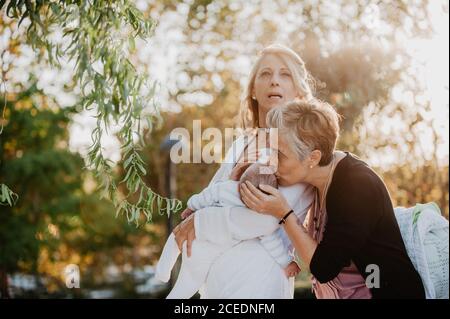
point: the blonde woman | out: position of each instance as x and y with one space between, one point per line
247 270
352 242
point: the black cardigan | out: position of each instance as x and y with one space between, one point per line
361 227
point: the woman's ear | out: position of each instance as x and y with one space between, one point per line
315 158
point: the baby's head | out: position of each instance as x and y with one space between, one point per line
257 174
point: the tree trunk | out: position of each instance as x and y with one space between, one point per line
4 289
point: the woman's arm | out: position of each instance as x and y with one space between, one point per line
276 205
304 245
352 216
351 220
224 224
227 224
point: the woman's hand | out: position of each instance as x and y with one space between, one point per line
185 231
273 204
186 213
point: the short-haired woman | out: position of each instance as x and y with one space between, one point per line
352 242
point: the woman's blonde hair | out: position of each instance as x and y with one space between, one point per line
307 126
303 82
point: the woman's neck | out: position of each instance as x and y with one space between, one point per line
262 117
321 177
323 174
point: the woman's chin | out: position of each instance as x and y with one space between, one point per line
271 104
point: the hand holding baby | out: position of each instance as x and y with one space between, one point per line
186 213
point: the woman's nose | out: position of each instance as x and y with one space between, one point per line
275 81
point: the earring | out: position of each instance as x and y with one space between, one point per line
253 98
310 166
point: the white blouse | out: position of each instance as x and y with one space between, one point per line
246 270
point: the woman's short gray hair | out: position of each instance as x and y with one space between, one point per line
307 126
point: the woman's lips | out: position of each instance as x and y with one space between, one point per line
275 96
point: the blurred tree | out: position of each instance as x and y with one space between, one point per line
46 175
60 219
99 36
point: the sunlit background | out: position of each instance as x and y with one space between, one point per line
384 65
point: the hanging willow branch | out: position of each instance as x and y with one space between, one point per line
7 196
99 37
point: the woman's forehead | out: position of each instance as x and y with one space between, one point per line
272 61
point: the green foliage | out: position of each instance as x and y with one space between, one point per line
57 221
47 177
7 196
99 36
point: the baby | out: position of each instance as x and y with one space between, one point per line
194 269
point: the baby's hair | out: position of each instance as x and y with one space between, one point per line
257 174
